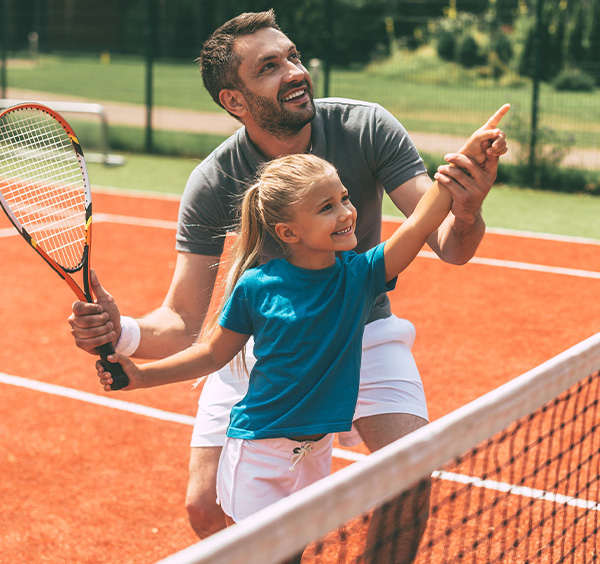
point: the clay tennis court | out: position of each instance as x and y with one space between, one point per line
88 482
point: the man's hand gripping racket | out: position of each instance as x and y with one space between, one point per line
45 192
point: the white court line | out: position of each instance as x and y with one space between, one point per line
164 224
543 236
524 266
122 405
95 399
126 220
522 234
137 221
8 232
154 413
522 491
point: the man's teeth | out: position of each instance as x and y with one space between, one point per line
292 96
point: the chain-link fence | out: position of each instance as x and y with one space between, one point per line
442 67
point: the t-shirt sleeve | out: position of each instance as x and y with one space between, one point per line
236 314
372 263
397 158
378 261
203 220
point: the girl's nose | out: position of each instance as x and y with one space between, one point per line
346 212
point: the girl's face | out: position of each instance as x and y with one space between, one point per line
324 219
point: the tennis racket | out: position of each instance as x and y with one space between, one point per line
45 192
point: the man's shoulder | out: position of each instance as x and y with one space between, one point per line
225 152
352 114
346 108
224 168
345 104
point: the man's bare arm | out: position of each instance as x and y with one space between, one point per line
469 176
164 331
457 239
177 323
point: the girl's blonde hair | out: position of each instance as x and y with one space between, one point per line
280 185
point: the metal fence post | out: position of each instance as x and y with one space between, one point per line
150 50
537 68
328 46
3 42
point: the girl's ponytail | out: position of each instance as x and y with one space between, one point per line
247 248
281 184
245 253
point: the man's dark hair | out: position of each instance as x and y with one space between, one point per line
218 62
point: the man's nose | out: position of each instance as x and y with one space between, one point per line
294 71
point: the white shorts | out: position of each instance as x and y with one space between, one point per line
254 474
389 383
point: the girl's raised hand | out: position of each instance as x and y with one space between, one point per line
488 140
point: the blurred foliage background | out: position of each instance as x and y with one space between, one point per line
441 67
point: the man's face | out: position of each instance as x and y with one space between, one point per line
276 87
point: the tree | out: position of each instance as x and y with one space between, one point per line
548 37
575 50
592 53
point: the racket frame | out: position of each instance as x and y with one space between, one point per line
84 294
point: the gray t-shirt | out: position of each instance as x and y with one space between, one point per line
369 147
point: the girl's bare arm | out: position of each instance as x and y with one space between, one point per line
433 208
194 362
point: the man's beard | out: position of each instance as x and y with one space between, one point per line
271 116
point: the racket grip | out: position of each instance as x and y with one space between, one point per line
120 379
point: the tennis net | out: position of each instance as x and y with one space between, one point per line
513 477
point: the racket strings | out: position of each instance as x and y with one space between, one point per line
42 184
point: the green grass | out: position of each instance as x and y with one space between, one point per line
506 206
150 173
543 212
176 84
164 142
539 211
426 94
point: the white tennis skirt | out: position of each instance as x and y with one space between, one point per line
254 474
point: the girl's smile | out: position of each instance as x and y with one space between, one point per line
323 223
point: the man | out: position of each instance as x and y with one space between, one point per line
254 71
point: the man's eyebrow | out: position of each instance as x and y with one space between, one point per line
265 58
270 56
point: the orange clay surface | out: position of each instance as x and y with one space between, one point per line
84 483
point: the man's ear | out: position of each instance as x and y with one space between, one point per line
286 233
233 101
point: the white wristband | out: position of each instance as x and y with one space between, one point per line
129 340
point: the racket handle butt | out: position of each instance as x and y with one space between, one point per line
120 379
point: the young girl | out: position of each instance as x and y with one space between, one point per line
306 313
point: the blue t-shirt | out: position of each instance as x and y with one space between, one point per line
308 327
369 147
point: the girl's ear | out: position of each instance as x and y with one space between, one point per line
233 101
286 233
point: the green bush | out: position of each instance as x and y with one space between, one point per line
554 179
574 80
446 45
467 53
502 46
